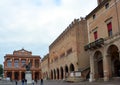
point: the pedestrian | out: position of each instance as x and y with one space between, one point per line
32 82
36 81
23 81
41 81
16 82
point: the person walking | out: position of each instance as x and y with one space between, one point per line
36 81
41 81
23 81
16 82
32 82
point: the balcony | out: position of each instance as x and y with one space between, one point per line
94 45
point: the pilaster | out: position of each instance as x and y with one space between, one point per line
33 65
33 75
20 76
12 62
13 76
20 62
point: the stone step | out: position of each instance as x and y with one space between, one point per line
74 79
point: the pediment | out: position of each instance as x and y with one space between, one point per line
22 52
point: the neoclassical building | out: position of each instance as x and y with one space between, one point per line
14 65
103 46
66 53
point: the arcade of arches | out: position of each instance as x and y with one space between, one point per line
105 66
19 75
62 72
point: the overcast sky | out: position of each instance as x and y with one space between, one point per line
35 24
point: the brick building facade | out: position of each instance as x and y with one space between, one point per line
104 38
66 53
14 65
45 67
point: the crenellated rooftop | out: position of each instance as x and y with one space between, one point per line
73 23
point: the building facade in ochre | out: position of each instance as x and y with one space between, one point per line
103 25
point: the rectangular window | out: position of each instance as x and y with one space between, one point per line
62 55
109 26
16 63
69 51
94 16
9 63
95 35
107 5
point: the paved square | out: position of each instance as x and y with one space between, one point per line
60 82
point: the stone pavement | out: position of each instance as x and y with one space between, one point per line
60 82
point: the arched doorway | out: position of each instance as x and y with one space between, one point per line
9 74
51 74
114 60
58 73
54 74
66 71
61 69
71 68
98 64
46 75
23 75
36 75
16 74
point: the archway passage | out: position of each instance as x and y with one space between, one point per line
16 76
54 74
114 60
72 68
51 74
9 74
36 75
23 75
98 62
61 69
66 71
57 73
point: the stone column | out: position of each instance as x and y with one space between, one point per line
92 69
106 67
20 75
13 76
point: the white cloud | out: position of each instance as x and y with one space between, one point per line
38 21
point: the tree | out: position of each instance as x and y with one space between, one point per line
1 70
